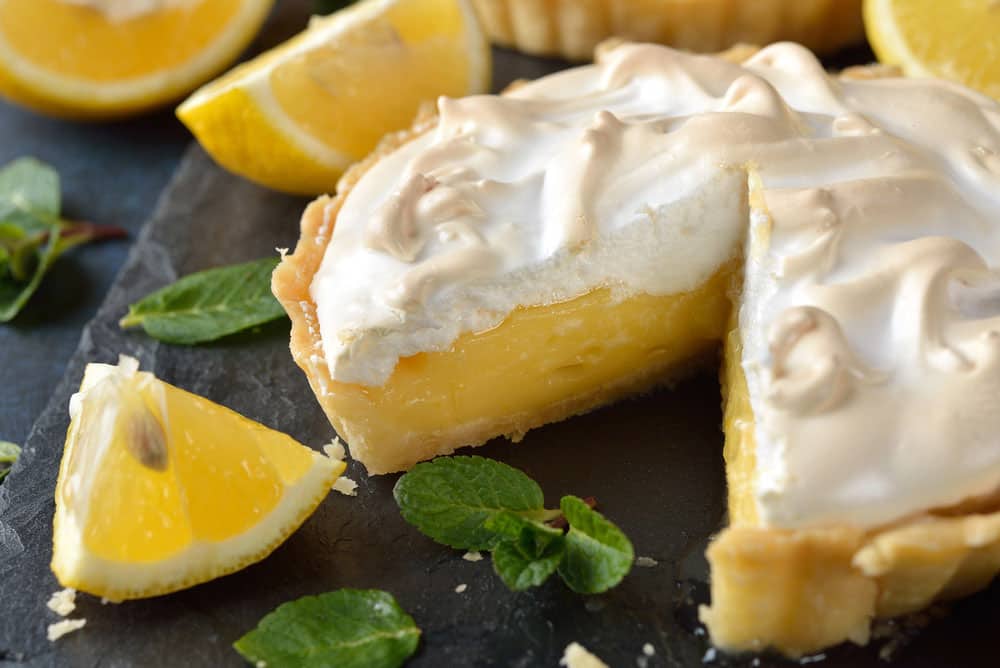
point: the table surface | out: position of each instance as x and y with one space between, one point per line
115 173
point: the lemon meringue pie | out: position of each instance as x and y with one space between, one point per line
515 259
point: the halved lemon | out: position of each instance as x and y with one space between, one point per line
952 40
296 117
107 58
160 489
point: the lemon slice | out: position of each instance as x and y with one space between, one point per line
106 58
160 489
959 41
296 117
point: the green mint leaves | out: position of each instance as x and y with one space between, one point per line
208 305
451 499
597 552
469 503
348 628
9 452
474 503
32 235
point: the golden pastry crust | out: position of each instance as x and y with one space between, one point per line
571 28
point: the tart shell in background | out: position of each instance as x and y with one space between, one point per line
572 28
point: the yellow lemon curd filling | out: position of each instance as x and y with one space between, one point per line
542 363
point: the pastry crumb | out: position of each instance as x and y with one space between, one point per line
62 602
577 656
648 649
473 556
335 449
460 589
282 251
646 562
345 486
710 655
59 629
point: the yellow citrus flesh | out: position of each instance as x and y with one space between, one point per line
77 61
538 357
294 118
953 40
160 489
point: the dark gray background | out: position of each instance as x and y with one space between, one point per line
653 463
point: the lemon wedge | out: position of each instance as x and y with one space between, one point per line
160 489
108 58
296 117
959 41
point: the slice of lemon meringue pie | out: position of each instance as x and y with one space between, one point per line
515 259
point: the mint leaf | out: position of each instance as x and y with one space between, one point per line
532 553
598 555
208 305
32 235
451 498
28 186
348 628
9 452
29 230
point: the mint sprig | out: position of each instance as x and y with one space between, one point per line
32 233
529 555
208 305
473 503
452 498
9 452
347 628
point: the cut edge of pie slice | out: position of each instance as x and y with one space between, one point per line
431 406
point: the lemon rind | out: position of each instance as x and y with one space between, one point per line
70 95
321 31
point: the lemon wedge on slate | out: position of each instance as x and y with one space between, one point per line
930 38
296 117
160 489
106 58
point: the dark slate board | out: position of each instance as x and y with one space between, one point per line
654 463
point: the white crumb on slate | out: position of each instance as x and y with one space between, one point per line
335 450
473 556
345 486
282 251
59 629
646 562
648 649
710 655
577 656
62 602
460 589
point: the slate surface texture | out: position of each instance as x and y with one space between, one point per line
654 464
